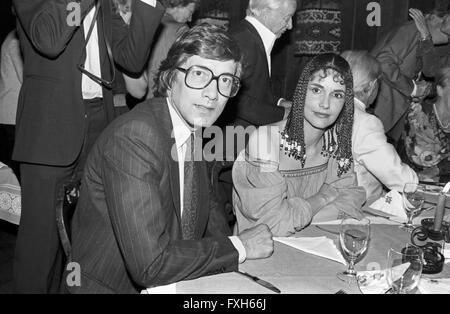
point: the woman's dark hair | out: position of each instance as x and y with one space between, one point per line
341 149
204 40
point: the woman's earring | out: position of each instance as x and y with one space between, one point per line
329 143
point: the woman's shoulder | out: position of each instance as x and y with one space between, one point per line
264 142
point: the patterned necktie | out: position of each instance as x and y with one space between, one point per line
190 194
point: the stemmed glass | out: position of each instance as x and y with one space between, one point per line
413 199
354 239
404 269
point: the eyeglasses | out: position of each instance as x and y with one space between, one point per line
198 77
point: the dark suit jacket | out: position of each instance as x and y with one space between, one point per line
126 230
50 117
397 53
255 103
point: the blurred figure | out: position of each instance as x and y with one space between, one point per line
428 136
173 24
65 103
376 161
434 50
401 61
11 75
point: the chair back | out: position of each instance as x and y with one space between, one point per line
66 203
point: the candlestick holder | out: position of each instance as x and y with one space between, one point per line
432 242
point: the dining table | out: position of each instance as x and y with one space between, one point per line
296 272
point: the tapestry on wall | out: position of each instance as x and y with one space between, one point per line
318 31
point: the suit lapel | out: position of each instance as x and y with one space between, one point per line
104 31
162 111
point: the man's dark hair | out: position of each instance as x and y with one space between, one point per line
205 40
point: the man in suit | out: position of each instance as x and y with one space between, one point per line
399 53
64 104
146 215
256 104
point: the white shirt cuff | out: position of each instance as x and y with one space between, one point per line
279 101
150 2
239 247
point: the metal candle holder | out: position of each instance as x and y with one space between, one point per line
431 237
430 241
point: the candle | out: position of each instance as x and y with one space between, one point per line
439 214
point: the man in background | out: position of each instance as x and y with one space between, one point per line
401 58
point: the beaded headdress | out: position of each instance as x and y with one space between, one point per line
337 140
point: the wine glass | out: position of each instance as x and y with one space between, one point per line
354 238
404 269
413 199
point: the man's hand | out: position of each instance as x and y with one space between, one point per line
420 22
257 241
285 103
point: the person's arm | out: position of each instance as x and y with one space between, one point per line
218 225
425 49
45 23
137 87
132 170
16 59
380 158
132 44
391 57
260 191
160 50
350 197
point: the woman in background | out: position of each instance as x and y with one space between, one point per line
303 173
427 136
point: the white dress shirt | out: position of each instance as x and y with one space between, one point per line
90 89
376 161
182 132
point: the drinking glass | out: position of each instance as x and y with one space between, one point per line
404 269
354 238
413 199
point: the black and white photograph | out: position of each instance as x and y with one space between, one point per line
226 151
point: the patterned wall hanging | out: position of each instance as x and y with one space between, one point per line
318 31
